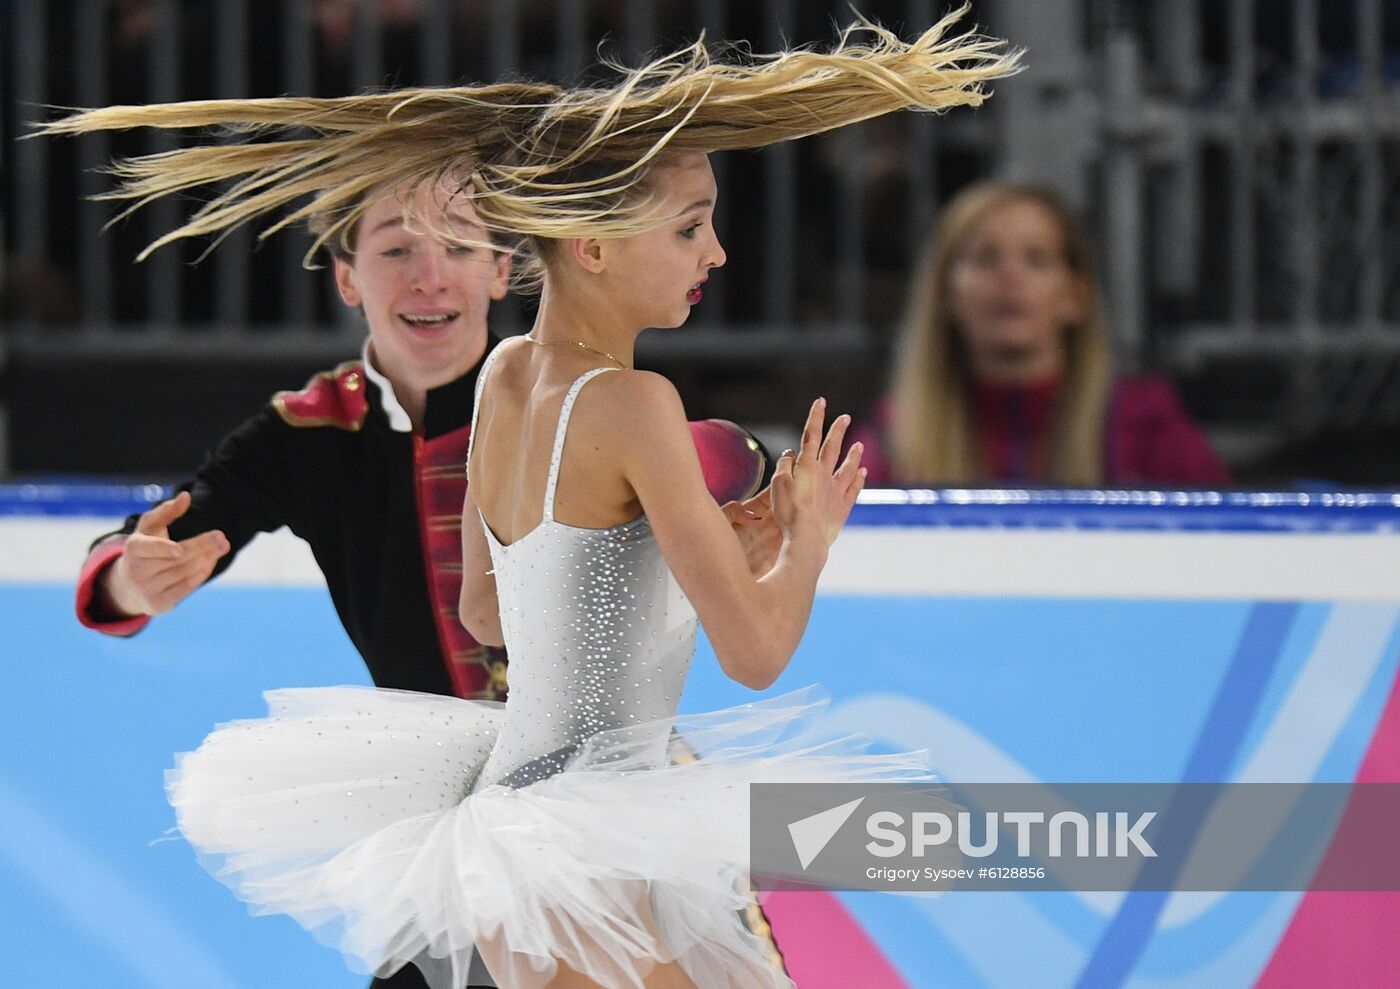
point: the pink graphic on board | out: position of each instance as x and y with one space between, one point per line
824 946
1347 939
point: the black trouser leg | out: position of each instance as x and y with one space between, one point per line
409 977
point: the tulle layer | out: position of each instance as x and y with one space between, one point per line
352 810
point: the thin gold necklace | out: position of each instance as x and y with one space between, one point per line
577 343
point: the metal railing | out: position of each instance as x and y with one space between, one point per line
1238 161
795 218
1250 187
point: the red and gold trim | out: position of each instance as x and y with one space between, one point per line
102 557
331 398
440 487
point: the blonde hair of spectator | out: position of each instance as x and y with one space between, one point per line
932 439
535 160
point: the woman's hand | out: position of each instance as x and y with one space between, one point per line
759 535
812 493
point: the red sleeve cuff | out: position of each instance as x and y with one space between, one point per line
99 560
733 462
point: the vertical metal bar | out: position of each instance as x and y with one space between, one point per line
1385 410
923 152
298 59
1370 287
231 285
1369 38
1178 25
1361 393
502 60
570 26
31 169
1123 201
298 50
94 150
710 15
505 38
10 41
368 46
1306 257
641 28
1039 136
6 99
1242 306
367 50
165 275
780 194
850 228
434 41
1178 216
4 436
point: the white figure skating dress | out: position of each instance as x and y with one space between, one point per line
570 825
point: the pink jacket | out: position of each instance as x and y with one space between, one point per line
1149 441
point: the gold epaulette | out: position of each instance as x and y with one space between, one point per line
331 398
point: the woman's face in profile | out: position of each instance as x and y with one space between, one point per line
1012 293
658 275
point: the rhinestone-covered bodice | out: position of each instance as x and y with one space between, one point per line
598 632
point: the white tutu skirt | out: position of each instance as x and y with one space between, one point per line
350 809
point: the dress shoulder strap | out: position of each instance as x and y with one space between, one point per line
558 452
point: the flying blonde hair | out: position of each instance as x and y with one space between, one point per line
932 439
534 160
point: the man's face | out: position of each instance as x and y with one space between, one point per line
424 297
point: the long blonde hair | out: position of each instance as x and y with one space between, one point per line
535 160
932 436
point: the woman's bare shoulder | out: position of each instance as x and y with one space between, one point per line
639 401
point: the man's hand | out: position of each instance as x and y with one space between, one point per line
758 534
155 573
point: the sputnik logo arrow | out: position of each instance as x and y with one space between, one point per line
811 834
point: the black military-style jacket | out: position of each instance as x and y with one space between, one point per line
380 506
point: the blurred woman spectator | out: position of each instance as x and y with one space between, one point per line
1003 374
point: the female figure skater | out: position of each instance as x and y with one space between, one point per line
557 833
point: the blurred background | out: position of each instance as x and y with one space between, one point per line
1236 162
1236 165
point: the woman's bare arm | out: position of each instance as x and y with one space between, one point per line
753 623
478 608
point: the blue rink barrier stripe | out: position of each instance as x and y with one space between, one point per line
67 499
1135 509
999 508
1217 747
